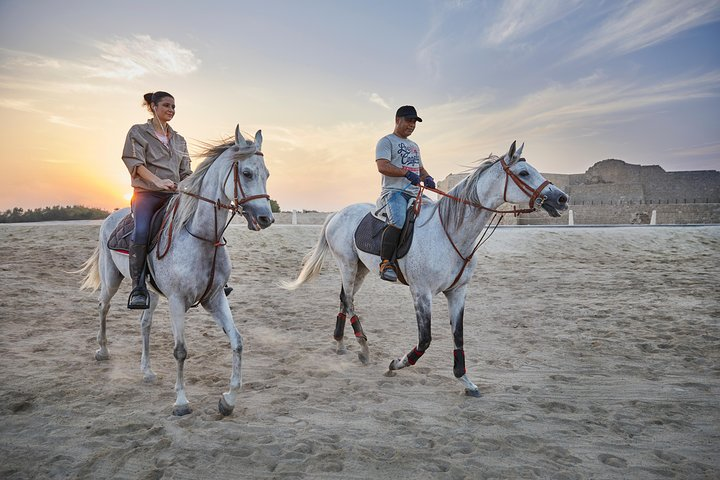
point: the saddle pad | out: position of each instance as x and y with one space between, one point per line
120 237
368 234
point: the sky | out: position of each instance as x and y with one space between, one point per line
576 81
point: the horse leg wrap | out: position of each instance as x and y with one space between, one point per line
459 363
357 328
339 326
414 355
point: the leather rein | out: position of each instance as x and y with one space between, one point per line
534 194
235 206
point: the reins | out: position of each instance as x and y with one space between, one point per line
235 206
534 194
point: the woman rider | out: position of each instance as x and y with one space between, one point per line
157 159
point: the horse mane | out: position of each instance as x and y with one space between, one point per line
452 211
193 183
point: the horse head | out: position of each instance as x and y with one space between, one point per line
248 190
525 185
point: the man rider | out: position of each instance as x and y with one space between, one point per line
398 160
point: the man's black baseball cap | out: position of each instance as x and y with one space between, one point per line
408 111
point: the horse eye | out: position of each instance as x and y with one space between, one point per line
247 174
524 173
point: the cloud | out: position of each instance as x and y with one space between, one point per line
27 106
15 59
583 108
518 19
58 120
704 150
377 100
140 55
19 105
642 24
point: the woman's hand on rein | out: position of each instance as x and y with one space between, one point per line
167 184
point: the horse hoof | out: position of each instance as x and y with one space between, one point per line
392 366
150 378
341 351
182 410
101 355
364 358
224 408
472 393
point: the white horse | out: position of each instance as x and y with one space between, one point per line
440 259
189 264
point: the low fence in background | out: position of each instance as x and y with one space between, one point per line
676 201
590 213
624 213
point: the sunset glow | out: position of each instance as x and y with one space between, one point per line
562 77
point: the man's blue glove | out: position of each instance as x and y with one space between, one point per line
429 182
413 177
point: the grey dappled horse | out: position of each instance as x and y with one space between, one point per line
190 264
440 259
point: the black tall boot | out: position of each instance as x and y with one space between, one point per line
139 297
388 245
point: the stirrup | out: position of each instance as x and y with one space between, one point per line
387 271
139 299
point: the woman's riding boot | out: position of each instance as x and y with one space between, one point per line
139 297
388 245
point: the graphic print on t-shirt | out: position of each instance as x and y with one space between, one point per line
409 157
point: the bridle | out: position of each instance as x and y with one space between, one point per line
235 206
536 199
534 194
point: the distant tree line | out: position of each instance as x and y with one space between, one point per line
76 212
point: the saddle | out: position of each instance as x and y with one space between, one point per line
120 237
368 234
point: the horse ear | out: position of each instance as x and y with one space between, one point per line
239 139
519 151
258 139
511 152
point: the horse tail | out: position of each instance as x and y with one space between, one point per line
313 261
91 269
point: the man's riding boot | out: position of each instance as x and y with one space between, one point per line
388 245
227 289
139 296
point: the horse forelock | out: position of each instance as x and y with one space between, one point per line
452 211
193 183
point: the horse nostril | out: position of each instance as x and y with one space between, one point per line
265 221
562 199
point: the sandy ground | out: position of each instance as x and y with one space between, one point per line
597 351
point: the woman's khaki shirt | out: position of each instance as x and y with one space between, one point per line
143 147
